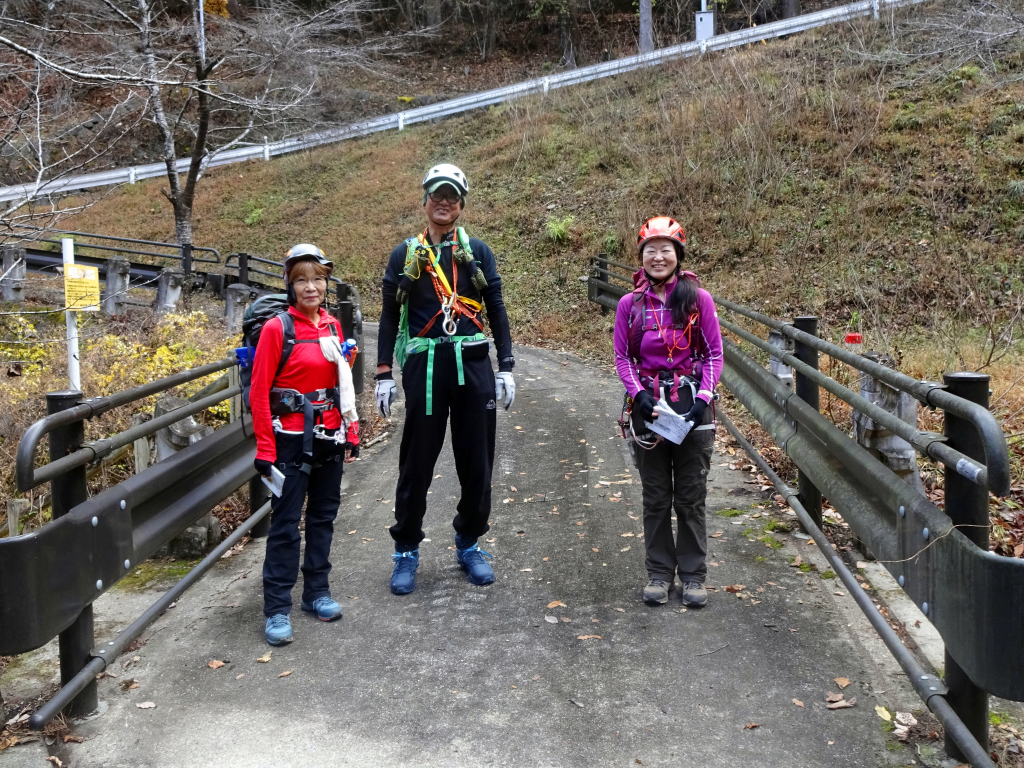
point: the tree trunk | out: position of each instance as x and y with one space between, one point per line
566 25
647 26
433 11
790 8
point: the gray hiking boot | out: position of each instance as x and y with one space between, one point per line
694 594
656 592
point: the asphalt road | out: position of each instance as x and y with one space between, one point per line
558 663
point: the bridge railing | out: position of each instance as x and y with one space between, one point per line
93 542
940 557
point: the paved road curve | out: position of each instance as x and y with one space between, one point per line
456 675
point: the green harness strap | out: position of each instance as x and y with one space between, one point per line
419 344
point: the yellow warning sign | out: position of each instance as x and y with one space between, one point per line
81 288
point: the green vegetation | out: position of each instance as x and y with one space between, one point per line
760 559
730 512
775 525
155 573
558 229
770 541
995 718
828 574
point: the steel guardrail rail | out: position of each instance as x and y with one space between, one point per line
399 120
174 246
928 687
28 476
997 460
105 654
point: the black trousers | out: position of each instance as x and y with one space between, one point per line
676 476
321 491
471 410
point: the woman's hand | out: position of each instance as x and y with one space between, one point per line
643 405
696 412
263 466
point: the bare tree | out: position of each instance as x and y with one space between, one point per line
199 85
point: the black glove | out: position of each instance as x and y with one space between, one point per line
263 466
643 405
696 413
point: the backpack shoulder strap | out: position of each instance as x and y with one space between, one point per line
635 328
288 342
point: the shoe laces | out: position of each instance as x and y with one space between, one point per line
472 551
405 561
693 585
323 602
277 621
657 583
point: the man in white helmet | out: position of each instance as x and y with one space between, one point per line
435 289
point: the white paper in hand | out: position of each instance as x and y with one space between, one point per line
670 424
275 482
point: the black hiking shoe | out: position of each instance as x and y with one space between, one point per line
694 594
656 592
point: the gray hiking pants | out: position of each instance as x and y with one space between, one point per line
676 476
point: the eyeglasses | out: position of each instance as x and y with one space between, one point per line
302 282
442 196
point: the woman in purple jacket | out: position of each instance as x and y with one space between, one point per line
667 341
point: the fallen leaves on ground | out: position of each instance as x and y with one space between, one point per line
215 664
627 535
620 610
798 702
52 760
578 704
557 604
129 684
551 619
840 702
735 588
72 738
797 562
751 726
884 714
8 741
842 682
145 705
588 637
265 657
285 674
832 697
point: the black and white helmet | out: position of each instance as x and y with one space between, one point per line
305 252
446 173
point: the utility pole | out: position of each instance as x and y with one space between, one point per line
646 27
71 318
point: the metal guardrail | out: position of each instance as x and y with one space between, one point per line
441 109
94 542
939 557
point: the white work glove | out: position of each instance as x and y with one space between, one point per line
385 393
505 388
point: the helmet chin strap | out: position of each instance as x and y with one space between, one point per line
658 283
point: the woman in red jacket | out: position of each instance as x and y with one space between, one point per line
288 407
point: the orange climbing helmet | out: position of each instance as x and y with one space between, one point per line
661 226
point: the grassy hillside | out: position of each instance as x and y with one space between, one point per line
821 174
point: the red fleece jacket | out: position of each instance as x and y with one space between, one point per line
307 370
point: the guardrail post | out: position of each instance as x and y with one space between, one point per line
14 269
186 258
258 495
243 268
115 292
168 290
808 391
966 505
235 298
602 274
67 492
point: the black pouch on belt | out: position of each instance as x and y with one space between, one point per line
475 350
685 393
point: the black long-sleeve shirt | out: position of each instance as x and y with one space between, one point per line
424 304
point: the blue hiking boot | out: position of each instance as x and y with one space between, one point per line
279 629
403 580
472 561
324 608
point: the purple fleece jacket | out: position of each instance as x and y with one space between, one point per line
701 358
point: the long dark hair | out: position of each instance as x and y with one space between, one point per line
683 299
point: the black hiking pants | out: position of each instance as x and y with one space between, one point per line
676 477
471 410
321 492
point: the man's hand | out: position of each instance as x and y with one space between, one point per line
385 393
263 466
505 388
643 405
696 412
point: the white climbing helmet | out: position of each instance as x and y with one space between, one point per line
446 173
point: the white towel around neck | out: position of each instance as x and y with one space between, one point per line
330 346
